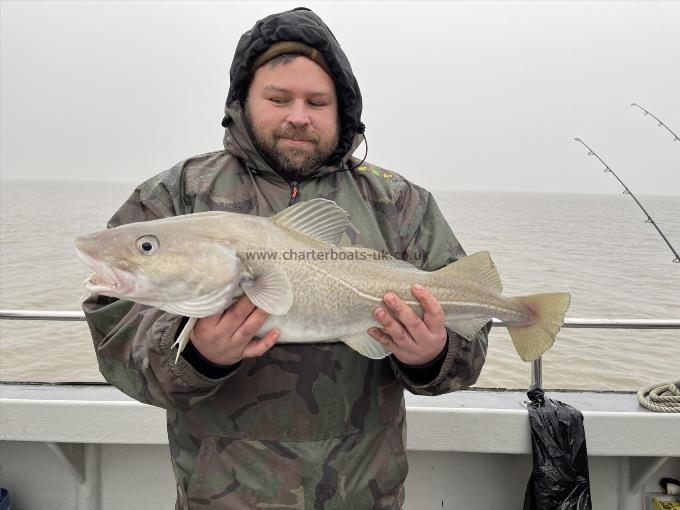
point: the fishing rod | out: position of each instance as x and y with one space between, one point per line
647 112
627 191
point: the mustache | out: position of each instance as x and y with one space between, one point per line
297 134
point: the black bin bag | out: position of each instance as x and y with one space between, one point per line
559 479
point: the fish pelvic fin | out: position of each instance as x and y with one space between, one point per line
532 340
183 338
477 268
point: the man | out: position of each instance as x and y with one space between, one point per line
252 423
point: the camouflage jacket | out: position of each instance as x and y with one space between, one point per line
303 426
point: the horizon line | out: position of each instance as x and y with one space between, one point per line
434 190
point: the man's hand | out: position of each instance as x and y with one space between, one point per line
226 338
414 341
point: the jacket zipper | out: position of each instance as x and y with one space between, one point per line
294 192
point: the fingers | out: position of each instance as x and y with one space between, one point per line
382 337
247 330
227 338
392 326
209 322
433 314
249 320
234 316
405 326
257 348
412 340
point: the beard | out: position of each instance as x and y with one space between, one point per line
293 163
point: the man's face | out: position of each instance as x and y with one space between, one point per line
292 112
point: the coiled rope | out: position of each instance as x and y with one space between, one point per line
662 398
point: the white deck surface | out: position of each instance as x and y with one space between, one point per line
466 450
466 421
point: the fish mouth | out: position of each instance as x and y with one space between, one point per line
106 280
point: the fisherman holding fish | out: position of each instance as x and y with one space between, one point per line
292 396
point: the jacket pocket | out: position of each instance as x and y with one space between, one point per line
356 471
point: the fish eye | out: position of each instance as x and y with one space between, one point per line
147 245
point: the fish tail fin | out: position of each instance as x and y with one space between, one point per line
183 338
534 339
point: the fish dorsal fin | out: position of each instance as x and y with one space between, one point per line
319 219
478 268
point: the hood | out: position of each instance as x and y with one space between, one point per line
303 25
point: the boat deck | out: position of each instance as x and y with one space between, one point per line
467 449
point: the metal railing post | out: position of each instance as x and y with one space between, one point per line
537 372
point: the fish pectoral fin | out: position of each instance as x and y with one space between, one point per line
319 219
468 328
183 338
270 291
477 267
366 345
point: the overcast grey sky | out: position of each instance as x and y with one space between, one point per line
471 96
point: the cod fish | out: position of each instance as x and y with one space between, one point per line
290 266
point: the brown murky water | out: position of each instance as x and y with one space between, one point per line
597 247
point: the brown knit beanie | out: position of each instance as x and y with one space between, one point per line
283 47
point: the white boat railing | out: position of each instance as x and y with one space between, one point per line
536 368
